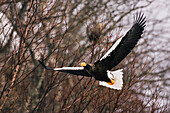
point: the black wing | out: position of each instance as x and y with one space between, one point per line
71 70
124 45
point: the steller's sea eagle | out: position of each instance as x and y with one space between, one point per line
120 49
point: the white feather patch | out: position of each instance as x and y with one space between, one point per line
69 68
112 48
117 76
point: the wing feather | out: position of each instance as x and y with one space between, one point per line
124 47
71 70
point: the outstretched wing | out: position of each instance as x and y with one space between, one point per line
124 45
71 70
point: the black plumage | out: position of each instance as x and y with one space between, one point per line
121 48
127 43
71 70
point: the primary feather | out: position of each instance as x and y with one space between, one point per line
100 69
71 70
124 45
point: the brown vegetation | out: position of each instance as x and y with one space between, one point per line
56 31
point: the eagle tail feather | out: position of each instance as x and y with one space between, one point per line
117 77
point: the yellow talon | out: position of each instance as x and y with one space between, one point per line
83 64
111 82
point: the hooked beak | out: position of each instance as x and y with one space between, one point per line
83 64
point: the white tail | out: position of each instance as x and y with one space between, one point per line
117 77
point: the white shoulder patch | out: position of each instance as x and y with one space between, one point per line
69 68
117 77
112 48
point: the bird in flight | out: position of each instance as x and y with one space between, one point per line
100 70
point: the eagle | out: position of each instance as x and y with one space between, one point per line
100 70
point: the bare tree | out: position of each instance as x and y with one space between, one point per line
56 32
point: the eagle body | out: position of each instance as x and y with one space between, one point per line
97 72
100 70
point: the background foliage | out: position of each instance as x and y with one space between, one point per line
57 31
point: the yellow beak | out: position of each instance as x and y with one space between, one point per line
83 64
